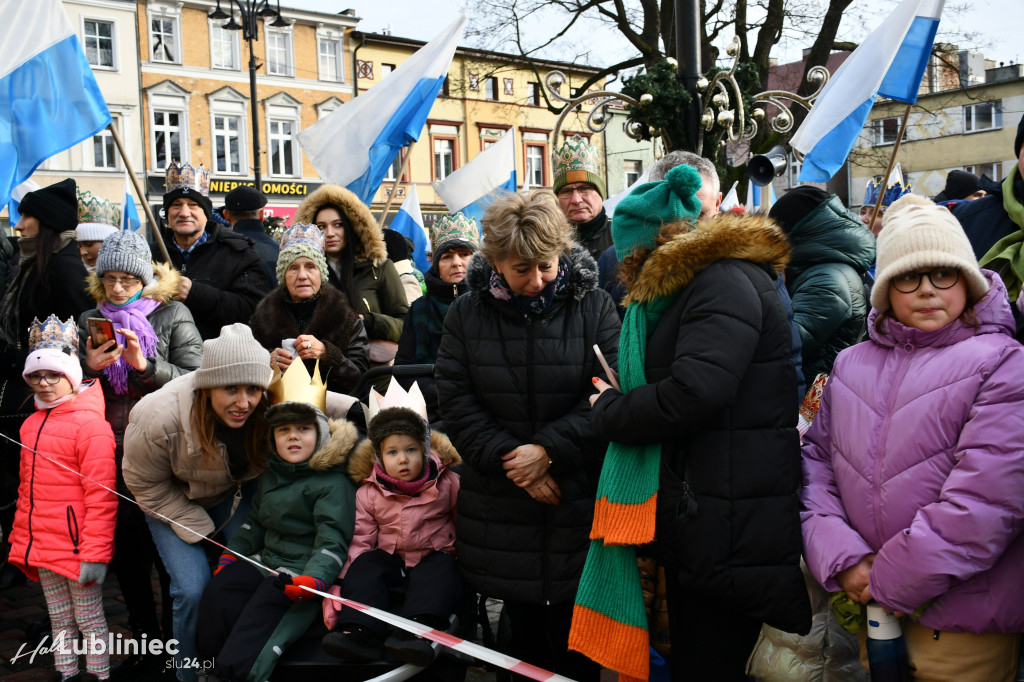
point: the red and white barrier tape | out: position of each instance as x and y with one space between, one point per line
443 638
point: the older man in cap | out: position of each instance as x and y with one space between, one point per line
243 208
580 189
223 277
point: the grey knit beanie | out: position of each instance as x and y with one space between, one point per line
126 251
234 359
289 254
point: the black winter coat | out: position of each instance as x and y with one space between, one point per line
262 243
504 380
228 279
720 398
984 220
346 349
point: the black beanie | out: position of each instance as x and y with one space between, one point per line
203 201
55 207
397 246
960 184
1019 142
797 204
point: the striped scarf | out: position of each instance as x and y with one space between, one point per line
609 623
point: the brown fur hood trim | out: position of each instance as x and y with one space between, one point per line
365 226
162 288
672 266
361 463
344 437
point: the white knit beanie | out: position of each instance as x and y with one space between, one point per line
126 251
94 232
234 359
917 233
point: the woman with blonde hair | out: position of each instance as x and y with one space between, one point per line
192 453
513 374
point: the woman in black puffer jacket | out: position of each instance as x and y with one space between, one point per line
513 375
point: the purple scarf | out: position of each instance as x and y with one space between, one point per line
404 487
130 316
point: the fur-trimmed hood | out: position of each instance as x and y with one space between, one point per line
671 267
163 287
361 463
366 228
582 273
339 447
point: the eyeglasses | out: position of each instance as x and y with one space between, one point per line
36 378
941 278
583 190
126 282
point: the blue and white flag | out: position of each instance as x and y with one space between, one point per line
472 188
759 198
409 222
355 145
890 62
49 99
129 214
17 194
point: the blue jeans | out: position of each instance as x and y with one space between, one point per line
189 569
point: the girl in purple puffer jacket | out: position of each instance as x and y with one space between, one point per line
914 467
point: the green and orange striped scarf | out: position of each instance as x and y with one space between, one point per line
609 623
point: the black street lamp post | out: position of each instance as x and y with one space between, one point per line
687 15
250 11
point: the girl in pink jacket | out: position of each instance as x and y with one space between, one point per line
404 536
63 532
914 467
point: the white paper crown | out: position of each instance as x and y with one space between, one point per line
396 396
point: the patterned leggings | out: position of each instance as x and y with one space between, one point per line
76 608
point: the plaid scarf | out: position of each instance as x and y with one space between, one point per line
609 623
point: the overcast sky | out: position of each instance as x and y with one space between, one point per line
1000 22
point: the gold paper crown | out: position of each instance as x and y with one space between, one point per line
52 333
299 234
396 396
296 386
97 211
184 177
456 226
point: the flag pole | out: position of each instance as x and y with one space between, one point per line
394 185
892 162
154 226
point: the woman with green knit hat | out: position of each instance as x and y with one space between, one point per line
704 457
308 313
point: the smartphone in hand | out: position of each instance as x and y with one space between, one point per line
101 330
613 377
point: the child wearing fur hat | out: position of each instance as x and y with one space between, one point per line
300 525
63 533
913 469
405 534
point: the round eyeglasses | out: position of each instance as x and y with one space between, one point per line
941 278
36 378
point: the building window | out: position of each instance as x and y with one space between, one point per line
227 147
330 60
101 153
633 170
395 166
885 130
279 53
992 170
491 88
164 39
446 87
444 157
984 116
533 94
365 70
99 42
793 168
223 48
535 165
474 82
385 69
167 136
282 147
509 86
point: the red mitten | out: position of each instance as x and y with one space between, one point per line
226 559
292 586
